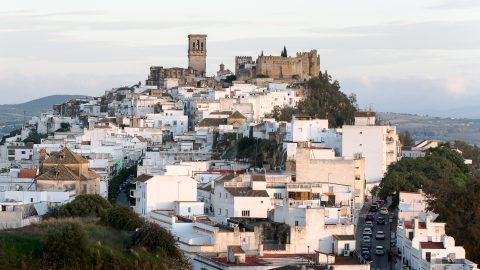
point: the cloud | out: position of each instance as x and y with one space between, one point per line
457 4
456 85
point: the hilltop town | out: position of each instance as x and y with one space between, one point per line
268 166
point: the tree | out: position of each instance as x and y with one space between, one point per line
85 205
406 138
122 218
155 239
324 100
65 246
284 52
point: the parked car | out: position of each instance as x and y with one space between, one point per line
380 221
368 224
380 235
380 203
366 255
373 207
367 231
370 217
367 239
379 250
384 211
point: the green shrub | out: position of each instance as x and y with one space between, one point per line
89 205
155 239
122 218
65 246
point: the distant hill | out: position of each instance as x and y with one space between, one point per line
12 115
430 127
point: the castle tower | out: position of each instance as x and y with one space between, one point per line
197 53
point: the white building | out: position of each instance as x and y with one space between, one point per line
233 197
423 244
379 145
160 192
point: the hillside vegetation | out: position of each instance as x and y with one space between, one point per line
12 115
451 186
324 100
79 236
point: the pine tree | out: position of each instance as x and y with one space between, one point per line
284 52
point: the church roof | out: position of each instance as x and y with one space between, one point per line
237 115
212 122
59 172
65 156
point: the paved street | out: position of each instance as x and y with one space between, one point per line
378 261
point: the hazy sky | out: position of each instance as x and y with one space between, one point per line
400 56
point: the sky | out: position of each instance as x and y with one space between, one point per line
420 57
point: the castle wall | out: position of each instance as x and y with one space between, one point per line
301 67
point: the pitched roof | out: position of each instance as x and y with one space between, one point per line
59 172
143 178
236 249
237 115
246 192
225 178
141 139
212 122
65 156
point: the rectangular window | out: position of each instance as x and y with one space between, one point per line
245 213
296 223
23 152
219 211
220 195
189 209
226 195
277 196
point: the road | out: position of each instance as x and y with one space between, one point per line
379 262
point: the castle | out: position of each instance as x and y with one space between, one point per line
197 65
301 67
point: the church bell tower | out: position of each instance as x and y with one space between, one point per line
197 54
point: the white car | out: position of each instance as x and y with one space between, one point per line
368 224
379 250
367 231
380 235
367 239
384 211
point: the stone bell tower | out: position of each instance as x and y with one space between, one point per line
197 54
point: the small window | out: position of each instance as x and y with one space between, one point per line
31 199
220 195
360 145
219 211
361 132
245 213
296 223
189 209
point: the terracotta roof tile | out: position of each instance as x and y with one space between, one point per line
143 178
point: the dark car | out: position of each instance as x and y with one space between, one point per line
373 208
366 255
380 221
370 218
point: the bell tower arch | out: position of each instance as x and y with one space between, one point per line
197 53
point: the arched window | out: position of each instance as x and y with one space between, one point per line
193 45
198 45
202 46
